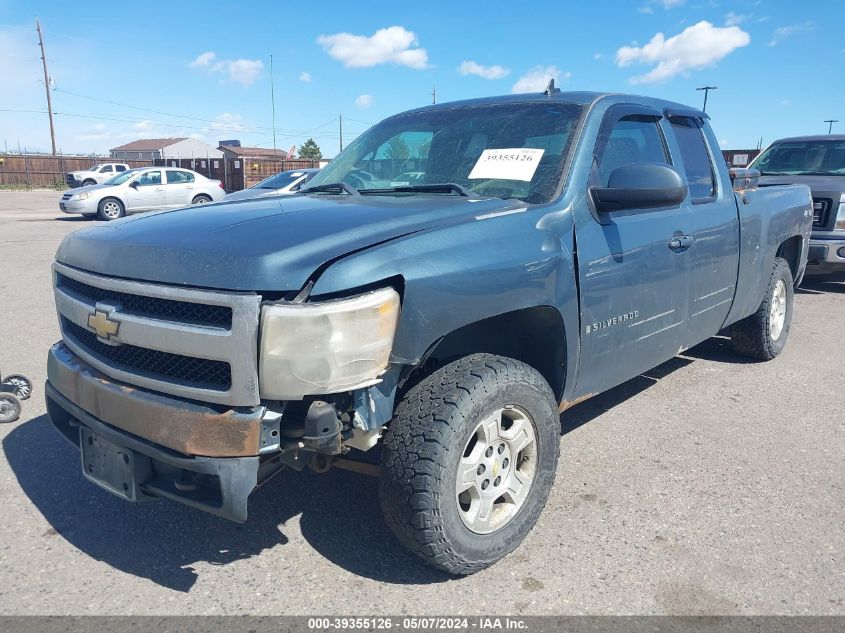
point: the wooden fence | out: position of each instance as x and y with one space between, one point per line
49 171
235 173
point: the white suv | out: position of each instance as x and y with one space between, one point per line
95 175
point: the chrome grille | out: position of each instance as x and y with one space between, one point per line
197 372
821 211
167 309
198 344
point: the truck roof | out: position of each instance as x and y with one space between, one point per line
812 137
585 98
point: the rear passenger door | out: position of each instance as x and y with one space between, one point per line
633 282
713 227
180 187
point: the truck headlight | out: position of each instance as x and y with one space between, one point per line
81 196
326 347
840 218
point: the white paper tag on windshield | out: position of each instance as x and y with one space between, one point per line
518 163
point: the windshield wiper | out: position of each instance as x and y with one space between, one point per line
819 173
338 187
446 187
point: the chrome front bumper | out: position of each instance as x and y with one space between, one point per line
826 255
181 425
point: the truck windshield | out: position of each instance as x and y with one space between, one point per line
803 158
513 150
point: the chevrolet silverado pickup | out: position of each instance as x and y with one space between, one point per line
819 163
553 245
95 175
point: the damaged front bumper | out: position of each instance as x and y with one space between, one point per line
142 445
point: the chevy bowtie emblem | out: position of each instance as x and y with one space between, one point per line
102 325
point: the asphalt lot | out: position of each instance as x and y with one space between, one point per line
709 486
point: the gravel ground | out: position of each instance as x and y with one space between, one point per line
708 486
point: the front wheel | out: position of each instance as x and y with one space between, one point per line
763 334
468 462
201 199
110 209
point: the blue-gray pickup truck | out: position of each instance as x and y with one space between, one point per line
549 247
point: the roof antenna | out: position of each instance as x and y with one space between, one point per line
550 89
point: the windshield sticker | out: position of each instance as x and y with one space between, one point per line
518 163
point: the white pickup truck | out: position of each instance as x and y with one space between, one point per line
96 175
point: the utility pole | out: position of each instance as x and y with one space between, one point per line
340 124
706 90
433 95
830 123
273 103
47 86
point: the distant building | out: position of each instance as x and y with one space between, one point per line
152 148
230 150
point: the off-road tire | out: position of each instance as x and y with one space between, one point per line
423 447
101 209
752 335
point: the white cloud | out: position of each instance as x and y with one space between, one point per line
306 77
488 72
695 47
227 122
394 45
204 60
783 32
735 19
671 4
364 101
666 4
537 78
242 71
645 10
597 56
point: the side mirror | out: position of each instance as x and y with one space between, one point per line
640 186
134 184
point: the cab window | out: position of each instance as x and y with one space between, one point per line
697 164
150 178
632 139
106 169
119 168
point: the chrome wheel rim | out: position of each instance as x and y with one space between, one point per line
777 310
7 409
497 469
111 209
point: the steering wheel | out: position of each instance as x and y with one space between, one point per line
362 177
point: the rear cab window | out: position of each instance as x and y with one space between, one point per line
698 166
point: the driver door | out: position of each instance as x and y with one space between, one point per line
633 283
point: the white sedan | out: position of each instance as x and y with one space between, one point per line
142 189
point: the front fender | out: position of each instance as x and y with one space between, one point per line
460 274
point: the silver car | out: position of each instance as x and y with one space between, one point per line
284 183
142 189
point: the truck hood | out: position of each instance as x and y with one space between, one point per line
266 244
821 186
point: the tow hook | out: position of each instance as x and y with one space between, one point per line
322 428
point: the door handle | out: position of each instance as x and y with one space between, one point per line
681 242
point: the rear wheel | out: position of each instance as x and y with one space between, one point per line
110 209
201 199
468 462
763 334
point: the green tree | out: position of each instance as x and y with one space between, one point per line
310 149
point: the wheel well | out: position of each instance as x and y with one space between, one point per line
535 336
202 195
790 250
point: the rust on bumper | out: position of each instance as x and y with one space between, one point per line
188 427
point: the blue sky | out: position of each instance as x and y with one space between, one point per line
127 70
